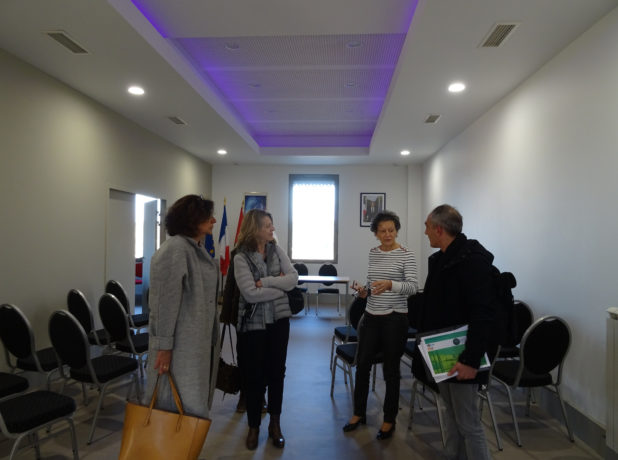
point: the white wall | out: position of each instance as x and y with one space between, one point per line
536 181
60 152
231 182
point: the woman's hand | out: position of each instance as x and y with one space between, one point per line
163 361
380 286
360 290
258 283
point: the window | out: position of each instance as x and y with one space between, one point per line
313 217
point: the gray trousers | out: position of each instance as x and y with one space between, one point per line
465 437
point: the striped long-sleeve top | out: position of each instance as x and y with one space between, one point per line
398 266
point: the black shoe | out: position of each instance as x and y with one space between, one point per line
352 426
252 438
382 435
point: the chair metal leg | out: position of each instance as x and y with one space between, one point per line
564 414
412 398
73 439
508 392
332 351
528 398
85 395
351 374
493 417
332 381
96 414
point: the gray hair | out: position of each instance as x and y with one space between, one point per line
447 217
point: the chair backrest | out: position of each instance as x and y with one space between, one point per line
80 308
545 345
16 332
523 318
69 340
115 288
113 317
327 270
357 309
302 270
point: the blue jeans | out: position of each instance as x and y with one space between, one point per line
465 437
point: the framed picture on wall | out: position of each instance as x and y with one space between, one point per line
370 205
255 200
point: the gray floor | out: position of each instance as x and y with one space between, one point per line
312 420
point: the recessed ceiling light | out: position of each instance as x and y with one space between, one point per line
353 44
136 90
232 46
456 87
222 152
405 152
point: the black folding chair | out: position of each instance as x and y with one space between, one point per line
25 415
543 348
303 271
18 340
115 288
80 308
327 270
117 326
73 349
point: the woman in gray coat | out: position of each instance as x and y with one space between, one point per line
183 321
263 274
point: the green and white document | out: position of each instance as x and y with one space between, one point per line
442 350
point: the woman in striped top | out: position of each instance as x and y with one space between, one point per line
391 279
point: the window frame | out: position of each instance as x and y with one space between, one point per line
317 178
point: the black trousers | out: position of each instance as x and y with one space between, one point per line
261 358
387 334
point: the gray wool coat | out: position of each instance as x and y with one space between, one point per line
183 318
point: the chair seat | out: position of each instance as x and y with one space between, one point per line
28 411
140 320
328 291
11 384
140 343
507 370
106 368
101 335
347 352
47 358
410 346
509 352
346 333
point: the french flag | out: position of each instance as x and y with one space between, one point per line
224 247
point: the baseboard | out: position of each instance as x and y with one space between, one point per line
585 429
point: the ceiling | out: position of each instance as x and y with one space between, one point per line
291 82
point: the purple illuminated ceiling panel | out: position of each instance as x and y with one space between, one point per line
300 91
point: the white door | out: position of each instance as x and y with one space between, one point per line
120 241
150 246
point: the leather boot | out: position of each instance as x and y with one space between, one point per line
252 438
274 431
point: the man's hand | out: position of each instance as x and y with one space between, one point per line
463 372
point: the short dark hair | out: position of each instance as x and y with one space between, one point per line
385 216
447 217
186 214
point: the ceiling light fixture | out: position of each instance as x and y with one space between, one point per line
353 44
136 90
405 152
456 87
232 46
222 152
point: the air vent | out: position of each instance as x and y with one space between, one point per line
498 35
431 119
177 121
63 38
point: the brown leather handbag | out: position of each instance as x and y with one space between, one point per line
157 434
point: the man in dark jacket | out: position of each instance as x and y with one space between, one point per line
459 290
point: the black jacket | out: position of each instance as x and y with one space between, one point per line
460 290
